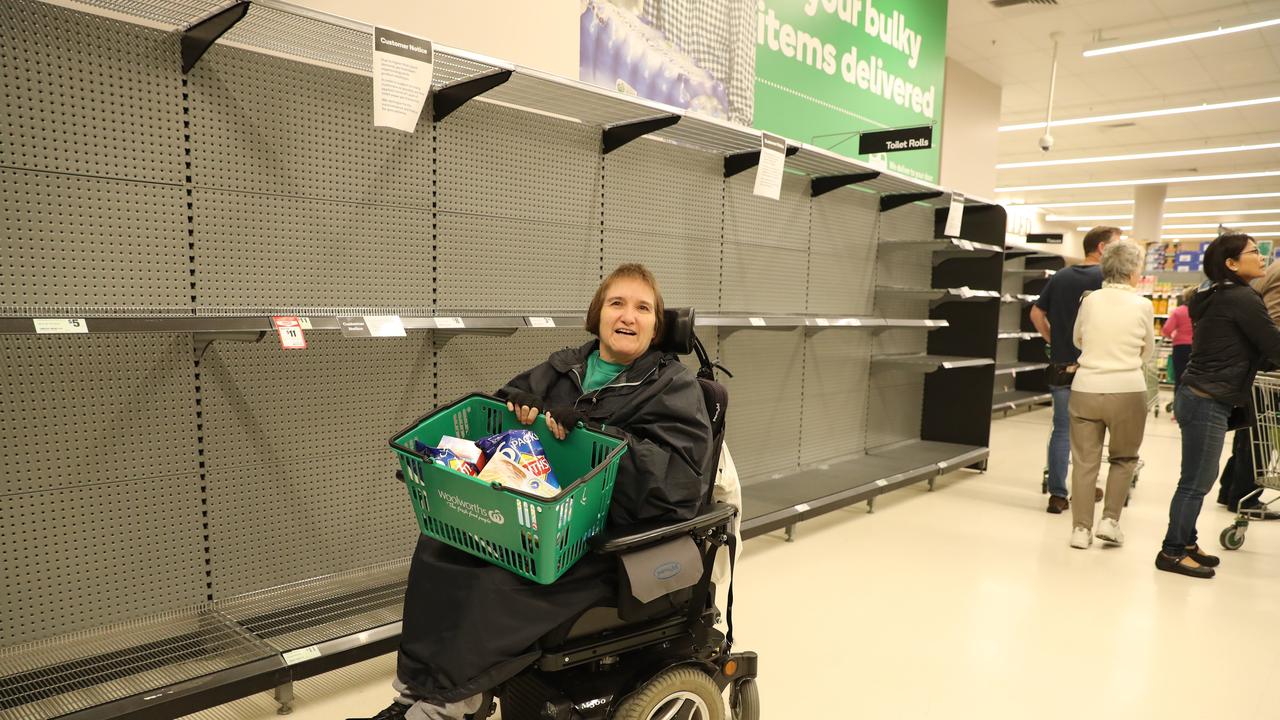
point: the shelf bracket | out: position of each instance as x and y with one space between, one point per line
744 161
823 185
615 136
442 337
201 341
197 39
892 202
451 97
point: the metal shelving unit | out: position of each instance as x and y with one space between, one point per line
924 362
1013 368
1016 399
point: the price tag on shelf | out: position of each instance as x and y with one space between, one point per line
450 323
290 331
60 326
353 327
293 657
304 323
822 321
384 325
881 483
802 507
541 322
757 322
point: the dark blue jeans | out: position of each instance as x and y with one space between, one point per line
1060 441
1204 427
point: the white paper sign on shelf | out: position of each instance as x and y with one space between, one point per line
60 326
955 215
290 331
773 157
450 323
822 321
293 657
542 322
402 67
384 325
757 322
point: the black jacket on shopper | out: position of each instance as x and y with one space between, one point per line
1233 335
468 625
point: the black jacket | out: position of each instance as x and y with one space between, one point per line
657 403
469 625
1233 335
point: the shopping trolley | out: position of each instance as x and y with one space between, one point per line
1264 441
1151 374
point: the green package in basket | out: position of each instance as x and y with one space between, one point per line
534 537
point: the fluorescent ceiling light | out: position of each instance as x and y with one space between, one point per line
1185 199
1196 226
1210 236
1140 156
1062 218
1143 114
1141 181
1217 32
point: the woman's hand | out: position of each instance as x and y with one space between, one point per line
560 431
562 420
525 405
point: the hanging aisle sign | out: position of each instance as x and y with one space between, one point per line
402 67
897 140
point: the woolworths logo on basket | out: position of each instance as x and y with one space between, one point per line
471 509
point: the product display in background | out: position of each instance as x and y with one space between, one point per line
690 54
827 70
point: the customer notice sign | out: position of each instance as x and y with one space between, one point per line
896 140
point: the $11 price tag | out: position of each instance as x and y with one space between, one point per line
290 331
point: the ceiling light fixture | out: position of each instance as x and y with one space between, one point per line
1140 156
1217 32
1185 199
1143 114
1141 181
1062 218
1197 226
1210 236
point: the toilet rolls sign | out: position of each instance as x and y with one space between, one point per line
829 69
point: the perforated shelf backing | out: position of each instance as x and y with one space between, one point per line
895 406
266 125
87 95
494 266
474 363
663 206
834 413
101 514
340 396
268 254
505 163
116 246
842 253
765 391
752 219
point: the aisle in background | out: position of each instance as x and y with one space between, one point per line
968 603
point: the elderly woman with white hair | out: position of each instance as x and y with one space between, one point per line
1116 335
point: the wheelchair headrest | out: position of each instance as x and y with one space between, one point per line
677 334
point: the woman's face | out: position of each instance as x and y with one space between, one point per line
1249 265
627 320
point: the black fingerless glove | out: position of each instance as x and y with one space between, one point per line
567 416
520 397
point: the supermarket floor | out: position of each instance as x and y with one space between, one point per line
967 603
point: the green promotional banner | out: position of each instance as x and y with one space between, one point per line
826 69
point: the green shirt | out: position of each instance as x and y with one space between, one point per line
600 372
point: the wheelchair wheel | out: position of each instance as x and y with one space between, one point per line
685 693
744 700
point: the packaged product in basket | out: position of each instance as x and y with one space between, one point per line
464 449
521 449
446 457
502 469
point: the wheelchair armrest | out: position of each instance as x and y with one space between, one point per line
637 537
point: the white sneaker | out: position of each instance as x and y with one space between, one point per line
1081 538
1110 531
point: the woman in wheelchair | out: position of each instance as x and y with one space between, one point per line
469 626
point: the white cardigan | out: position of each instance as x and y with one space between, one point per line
1115 332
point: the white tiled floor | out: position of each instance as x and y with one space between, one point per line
968 603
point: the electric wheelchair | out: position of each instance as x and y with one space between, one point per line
657 660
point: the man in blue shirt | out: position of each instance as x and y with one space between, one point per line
1054 315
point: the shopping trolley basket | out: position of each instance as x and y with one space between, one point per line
1264 442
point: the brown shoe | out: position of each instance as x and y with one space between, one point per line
1057 504
1098 494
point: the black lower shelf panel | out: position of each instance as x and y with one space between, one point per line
772 504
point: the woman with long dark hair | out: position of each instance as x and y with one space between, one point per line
1233 334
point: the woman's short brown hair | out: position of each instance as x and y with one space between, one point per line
634 271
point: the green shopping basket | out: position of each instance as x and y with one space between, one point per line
535 537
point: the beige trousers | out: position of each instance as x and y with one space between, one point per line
1093 415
